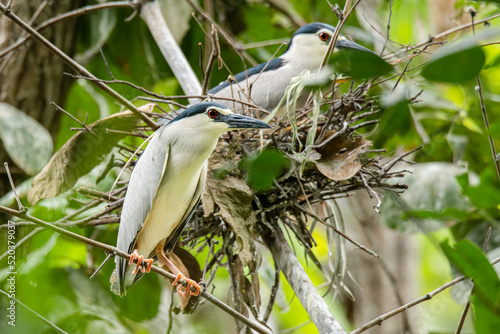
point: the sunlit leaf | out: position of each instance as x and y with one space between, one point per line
470 124
26 141
457 63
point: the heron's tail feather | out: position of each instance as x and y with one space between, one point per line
114 283
120 286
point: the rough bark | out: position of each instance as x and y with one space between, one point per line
31 76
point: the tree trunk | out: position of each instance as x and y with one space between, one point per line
374 289
30 76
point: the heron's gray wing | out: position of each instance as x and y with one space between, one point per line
142 188
175 235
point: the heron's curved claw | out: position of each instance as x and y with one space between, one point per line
140 260
188 290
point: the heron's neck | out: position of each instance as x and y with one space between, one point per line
303 59
189 145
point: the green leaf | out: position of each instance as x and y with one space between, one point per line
485 195
359 64
80 155
457 63
27 142
264 168
470 260
396 117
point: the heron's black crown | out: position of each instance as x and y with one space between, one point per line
313 28
196 109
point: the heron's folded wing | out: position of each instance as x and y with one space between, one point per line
142 188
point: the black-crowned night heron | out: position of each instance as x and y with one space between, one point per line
166 186
267 82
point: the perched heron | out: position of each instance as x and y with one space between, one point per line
165 188
264 85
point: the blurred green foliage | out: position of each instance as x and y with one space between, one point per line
53 271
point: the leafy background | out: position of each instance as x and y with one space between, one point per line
453 195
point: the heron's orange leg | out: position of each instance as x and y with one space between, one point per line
140 260
162 258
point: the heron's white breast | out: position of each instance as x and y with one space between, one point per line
189 150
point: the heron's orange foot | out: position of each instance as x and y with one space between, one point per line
188 290
140 261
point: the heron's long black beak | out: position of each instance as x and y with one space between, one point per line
347 44
236 121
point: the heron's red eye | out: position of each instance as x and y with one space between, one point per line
324 36
212 113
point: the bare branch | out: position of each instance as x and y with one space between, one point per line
151 14
378 320
479 90
59 330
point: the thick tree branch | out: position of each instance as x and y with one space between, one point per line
151 14
74 65
311 300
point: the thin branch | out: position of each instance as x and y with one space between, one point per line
378 320
108 257
229 39
280 6
151 14
44 320
371 192
73 118
388 27
463 316
453 30
273 294
22 208
343 235
215 54
23 240
106 63
336 34
479 90
113 250
77 67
